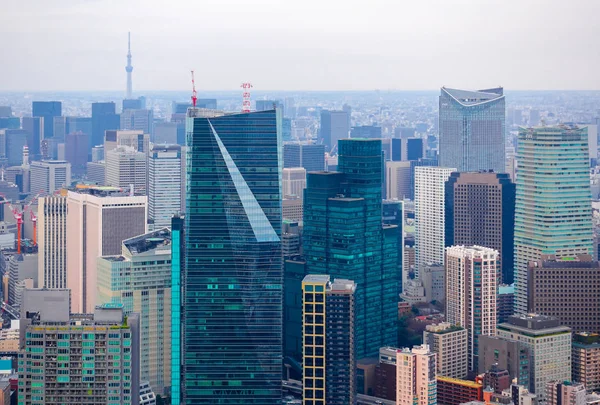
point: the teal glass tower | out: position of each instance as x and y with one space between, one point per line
231 304
553 214
344 238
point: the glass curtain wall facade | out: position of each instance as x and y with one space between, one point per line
553 213
344 238
472 126
232 292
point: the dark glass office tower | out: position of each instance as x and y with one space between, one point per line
309 156
48 110
103 118
233 275
344 238
35 133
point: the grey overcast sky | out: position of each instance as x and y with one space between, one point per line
300 44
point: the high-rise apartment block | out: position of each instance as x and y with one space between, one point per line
449 343
567 289
565 392
549 347
552 209
471 276
91 359
164 184
48 176
47 110
471 127
125 167
328 341
343 237
294 182
429 214
586 360
52 241
480 210
232 272
309 156
98 221
140 279
416 376
334 126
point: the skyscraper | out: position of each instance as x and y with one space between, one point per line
480 210
472 129
103 118
309 156
76 151
471 275
140 280
50 175
294 182
16 140
164 184
129 69
142 120
343 237
328 341
232 296
47 110
98 220
553 199
334 126
429 215
35 133
52 241
126 167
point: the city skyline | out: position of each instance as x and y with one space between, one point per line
430 46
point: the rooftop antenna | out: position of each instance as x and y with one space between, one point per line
194 98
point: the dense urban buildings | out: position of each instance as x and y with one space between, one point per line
564 392
552 209
47 110
74 359
232 272
98 220
140 280
549 347
329 362
471 275
48 176
504 354
452 391
344 238
567 289
104 118
429 215
472 129
479 209
125 168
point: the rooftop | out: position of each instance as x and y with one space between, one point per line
469 98
149 241
464 383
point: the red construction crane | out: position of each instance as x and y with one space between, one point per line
194 98
33 215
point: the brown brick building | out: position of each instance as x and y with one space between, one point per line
568 289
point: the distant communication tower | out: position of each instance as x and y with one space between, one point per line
194 97
246 97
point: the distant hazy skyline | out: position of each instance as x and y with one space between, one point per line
300 45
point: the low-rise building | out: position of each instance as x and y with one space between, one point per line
452 391
449 343
586 360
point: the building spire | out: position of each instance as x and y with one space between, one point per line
129 68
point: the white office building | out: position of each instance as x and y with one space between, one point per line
164 183
48 176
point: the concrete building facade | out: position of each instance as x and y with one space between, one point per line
449 343
52 241
416 382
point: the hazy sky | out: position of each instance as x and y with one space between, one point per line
300 44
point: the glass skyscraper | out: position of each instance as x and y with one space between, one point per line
472 129
344 238
231 306
553 213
